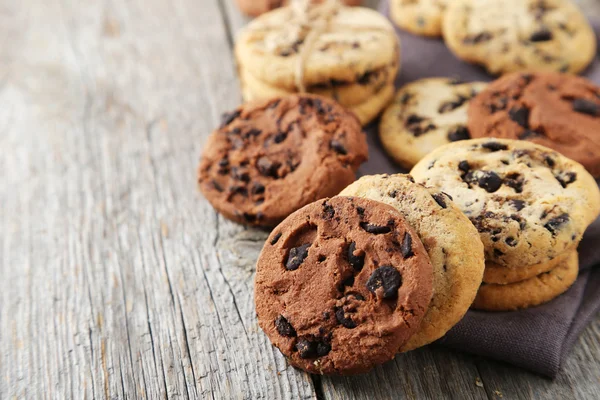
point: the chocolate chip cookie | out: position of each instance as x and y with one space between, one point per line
451 241
421 17
502 274
346 45
555 110
341 285
513 35
270 158
424 115
530 292
257 7
528 202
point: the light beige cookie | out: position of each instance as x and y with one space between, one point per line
286 47
530 292
495 273
513 35
257 7
421 17
451 241
528 202
347 94
424 115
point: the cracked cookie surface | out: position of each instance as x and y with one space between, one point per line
555 110
424 115
528 202
270 158
341 284
451 241
513 35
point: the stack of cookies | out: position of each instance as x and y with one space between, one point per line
531 206
350 54
504 36
346 283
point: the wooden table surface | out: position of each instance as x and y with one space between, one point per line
118 280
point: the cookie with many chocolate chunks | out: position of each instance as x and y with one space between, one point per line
341 284
555 110
528 202
270 158
424 115
514 35
450 239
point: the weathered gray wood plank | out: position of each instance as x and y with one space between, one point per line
118 279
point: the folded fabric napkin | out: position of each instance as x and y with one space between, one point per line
538 338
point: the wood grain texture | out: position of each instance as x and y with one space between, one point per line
118 280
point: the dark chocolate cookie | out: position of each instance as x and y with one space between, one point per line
555 110
341 284
270 158
529 203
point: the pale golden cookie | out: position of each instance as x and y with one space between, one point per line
451 241
513 35
495 273
424 115
530 292
421 17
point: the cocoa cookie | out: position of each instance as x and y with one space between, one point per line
450 239
270 158
530 292
528 202
424 115
257 7
421 17
555 110
513 35
501 274
341 285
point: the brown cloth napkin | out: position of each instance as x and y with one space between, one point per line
538 338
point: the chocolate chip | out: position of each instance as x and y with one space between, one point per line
498 253
554 224
543 35
276 238
252 132
514 181
586 107
452 105
566 178
406 247
439 198
405 98
224 162
348 282
267 167
346 322
464 166
511 241
357 261
249 217
280 137
459 133
366 78
240 175
480 37
296 257
228 117
360 211
520 115
323 349
306 348
490 181
284 327
236 189
393 194
217 186
517 204
550 161
387 278
257 188
338 147
499 104
375 229
418 125
494 146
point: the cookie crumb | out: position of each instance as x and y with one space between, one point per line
478 382
498 393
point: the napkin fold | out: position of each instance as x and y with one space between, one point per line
538 338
